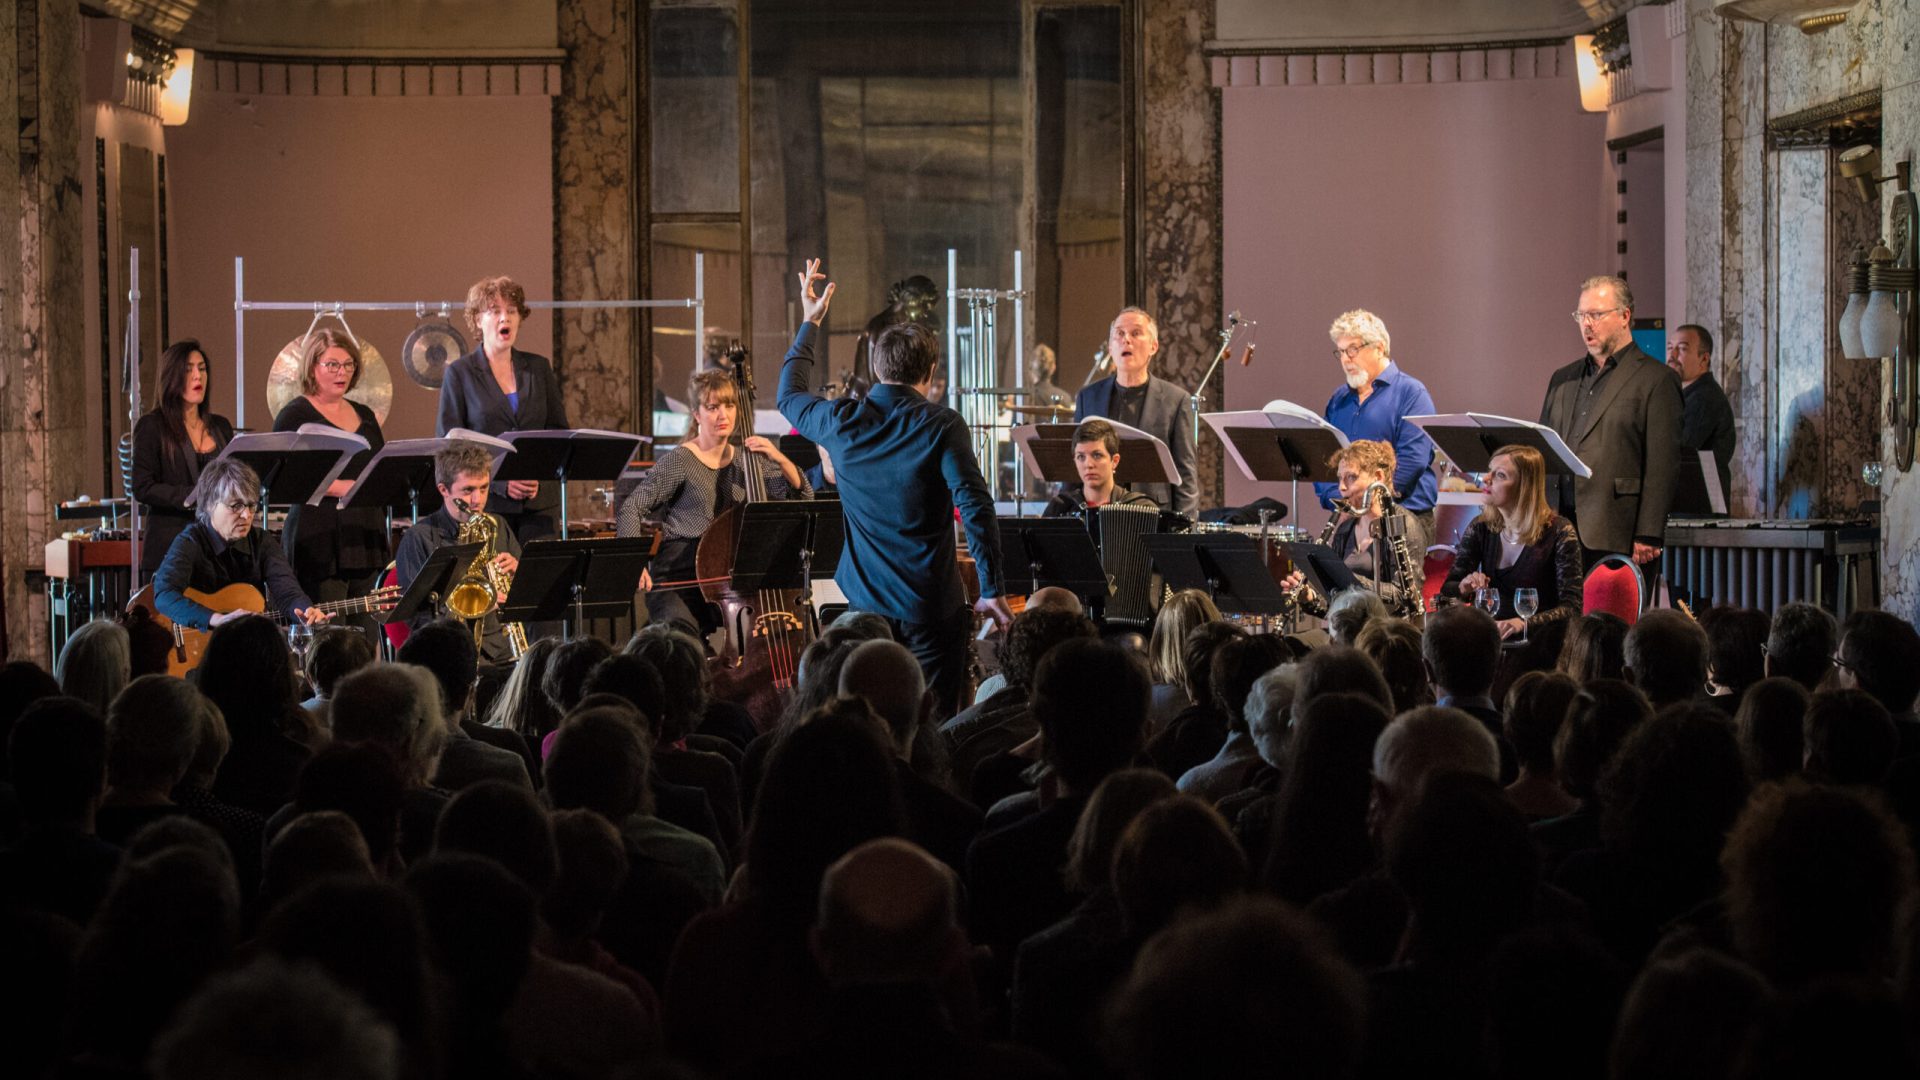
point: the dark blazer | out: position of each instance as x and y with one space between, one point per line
1168 414
162 480
471 399
1631 441
325 541
1551 565
1706 423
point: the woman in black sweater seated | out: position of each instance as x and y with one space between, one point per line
1518 542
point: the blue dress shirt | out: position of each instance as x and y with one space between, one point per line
1396 396
903 465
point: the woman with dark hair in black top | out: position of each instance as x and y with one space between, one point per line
334 551
171 444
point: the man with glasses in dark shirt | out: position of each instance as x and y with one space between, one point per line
903 465
223 548
1619 411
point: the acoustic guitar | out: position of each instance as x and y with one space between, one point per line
189 643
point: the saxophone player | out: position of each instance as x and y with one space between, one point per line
1365 472
461 472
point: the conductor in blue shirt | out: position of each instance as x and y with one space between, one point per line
1374 404
903 465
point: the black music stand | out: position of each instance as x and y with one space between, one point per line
788 544
434 581
802 451
1325 570
400 475
1227 566
1696 487
294 466
561 455
1470 439
1040 552
579 577
1144 458
1282 443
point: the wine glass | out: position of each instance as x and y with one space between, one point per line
299 637
1525 603
1488 600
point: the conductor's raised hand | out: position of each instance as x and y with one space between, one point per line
813 305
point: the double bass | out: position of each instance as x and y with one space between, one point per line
765 630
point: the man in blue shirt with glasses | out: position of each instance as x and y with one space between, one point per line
1374 404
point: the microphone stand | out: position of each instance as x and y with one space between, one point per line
1199 397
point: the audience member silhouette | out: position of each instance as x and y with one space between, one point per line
1800 644
1770 725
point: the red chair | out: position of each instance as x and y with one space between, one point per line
397 632
1615 585
1439 563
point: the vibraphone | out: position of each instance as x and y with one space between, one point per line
1764 564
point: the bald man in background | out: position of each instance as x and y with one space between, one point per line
886 674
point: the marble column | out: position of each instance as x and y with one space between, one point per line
595 120
43 428
1180 206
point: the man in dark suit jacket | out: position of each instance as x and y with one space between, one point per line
1706 416
1619 410
1137 399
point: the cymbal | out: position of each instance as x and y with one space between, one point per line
1039 410
375 389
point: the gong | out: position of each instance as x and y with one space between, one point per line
374 390
428 350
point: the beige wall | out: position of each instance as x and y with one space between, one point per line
354 198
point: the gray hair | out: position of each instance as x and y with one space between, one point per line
95 663
1622 294
221 480
276 1018
396 706
1366 326
1432 739
153 731
1269 710
1153 324
1350 613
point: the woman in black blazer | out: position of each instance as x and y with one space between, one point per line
334 552
1518 542
170 446
496 388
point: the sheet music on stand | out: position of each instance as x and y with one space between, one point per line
400 473
295 466
561 455
1281 443
1048 450
1470 439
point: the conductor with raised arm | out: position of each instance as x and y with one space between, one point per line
904 465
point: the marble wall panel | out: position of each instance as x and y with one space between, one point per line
1900 526
42 432
9 307
1853 386
594 117
1804 70
1799 367
1180 204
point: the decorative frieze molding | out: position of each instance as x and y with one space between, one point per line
399 76
1516 60
1844 122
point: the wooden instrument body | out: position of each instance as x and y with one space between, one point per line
765 631
189 643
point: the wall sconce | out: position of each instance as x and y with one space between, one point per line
1888 323
177 93
1593 84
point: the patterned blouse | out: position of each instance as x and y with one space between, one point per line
692 495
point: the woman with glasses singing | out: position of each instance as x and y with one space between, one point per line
171 445
334 552
223 547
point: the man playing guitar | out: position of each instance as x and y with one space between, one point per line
222 548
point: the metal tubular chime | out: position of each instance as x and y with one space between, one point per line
973 360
